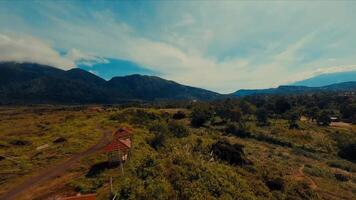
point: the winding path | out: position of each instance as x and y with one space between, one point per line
55 171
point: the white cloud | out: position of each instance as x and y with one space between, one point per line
82 58
28 49
24 48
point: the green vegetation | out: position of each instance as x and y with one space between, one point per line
250 148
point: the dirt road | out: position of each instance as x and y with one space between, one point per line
54 171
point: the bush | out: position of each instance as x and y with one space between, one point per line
262 116
275 184
160 131
20 142
342 164
348 152
232 153
200 115
341 177
179 115
237 129
324 118
178 129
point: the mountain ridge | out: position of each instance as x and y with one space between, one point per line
292 89
327 79
34 83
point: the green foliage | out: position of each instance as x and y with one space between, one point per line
282 105
301 190
262 116
342 164
348 152
238 129
293 116
324 118
232 153
200 114
179 115
178 129
349 112
160 131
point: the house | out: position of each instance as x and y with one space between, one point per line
119 149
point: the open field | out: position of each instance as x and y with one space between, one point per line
282 163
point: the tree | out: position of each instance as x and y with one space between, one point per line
262 116
324 118
348 152
312 113
179 115
246 107
178 129
200 115
293 117
160 131
349 112
282 105
235 115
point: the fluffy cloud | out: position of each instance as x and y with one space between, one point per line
29 49
24 48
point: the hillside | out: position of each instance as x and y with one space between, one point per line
290 89
33 83
328 79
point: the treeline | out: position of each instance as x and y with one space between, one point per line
321 108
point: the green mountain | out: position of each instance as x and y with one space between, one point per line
33 83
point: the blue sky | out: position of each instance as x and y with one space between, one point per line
221 46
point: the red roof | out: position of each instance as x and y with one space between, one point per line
123 133
117 145
81 197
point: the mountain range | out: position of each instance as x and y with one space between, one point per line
34 83
28 83
291 89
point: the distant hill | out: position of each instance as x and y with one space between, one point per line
34 83
328 79
290 89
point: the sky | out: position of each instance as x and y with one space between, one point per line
217 45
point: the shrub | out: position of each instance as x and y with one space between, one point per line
324 118
160 131
20 142
179 115
341 177
275 184
342 164
178 129
232 153
200 115
262 116
237 129
146 169
348 152
293 117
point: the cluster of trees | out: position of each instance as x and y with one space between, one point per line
317 108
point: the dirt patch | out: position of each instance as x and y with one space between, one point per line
340 124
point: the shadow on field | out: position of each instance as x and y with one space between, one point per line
98 168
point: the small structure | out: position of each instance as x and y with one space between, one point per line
80 197
119 149
334 119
